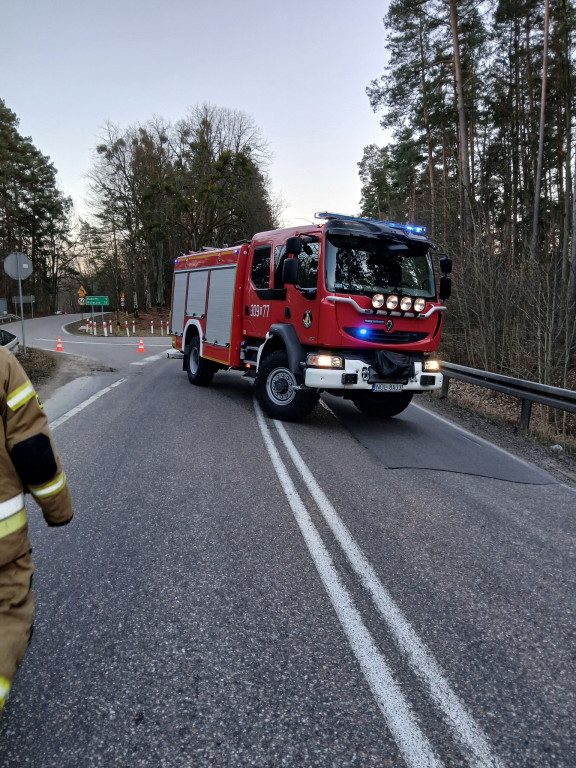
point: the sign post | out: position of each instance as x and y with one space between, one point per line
82 299
26 300
97 301
18 266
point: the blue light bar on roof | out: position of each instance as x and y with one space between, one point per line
343 217
407 227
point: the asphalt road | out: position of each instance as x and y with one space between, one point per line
235 591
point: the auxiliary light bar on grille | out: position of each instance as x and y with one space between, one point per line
388 313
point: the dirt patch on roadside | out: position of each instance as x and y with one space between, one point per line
66 369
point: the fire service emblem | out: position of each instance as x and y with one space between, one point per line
307 319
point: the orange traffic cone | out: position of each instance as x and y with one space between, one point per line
59 347
141 347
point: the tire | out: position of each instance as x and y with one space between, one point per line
276 391
382 405
200 371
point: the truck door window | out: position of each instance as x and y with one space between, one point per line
309 265
261 267
279 256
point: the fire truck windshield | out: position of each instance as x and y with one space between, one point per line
366 265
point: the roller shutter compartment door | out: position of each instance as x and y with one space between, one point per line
196 302
220 302
180 281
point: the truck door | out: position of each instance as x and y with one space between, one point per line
269 301
264 303
301 299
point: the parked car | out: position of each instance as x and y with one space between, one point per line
60 312
9 340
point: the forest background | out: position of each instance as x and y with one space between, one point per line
478 101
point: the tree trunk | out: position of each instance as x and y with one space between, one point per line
536 214
428 138
464 155
572 279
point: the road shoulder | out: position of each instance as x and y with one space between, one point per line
559 464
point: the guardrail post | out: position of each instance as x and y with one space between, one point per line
525 416
445 385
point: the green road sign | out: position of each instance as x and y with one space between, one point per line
96 301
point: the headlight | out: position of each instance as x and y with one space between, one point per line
406 304
377 300
431 365
324 361
392 302
419 305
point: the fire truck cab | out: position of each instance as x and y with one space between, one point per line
350 306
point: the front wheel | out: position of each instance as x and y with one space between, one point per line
381 405
200 371
277 390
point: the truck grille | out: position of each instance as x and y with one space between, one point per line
379 336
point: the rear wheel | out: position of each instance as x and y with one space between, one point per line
277 390
381 405
200 371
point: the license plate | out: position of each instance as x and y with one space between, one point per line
386 387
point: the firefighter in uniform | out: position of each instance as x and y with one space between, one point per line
28 463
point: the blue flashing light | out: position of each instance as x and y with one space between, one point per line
363 331
407 227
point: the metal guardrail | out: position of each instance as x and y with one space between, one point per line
9 318
527 391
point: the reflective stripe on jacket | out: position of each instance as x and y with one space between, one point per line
4 691
12 515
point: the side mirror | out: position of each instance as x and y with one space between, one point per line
445 288
446 265
294 246
291 269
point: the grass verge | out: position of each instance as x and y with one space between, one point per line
38 364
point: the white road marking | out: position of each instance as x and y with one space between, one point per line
104 340
412 743
73 411
151 358
474 744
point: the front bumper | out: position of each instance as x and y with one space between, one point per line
357 375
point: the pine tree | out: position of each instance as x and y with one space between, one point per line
34 214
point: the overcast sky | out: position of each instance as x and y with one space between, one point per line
300 69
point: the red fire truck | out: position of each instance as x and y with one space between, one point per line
350 306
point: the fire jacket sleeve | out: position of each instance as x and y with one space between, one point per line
31 448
